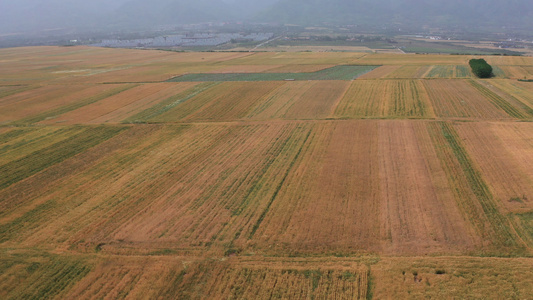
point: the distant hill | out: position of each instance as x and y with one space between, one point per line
41 15
32 15
163 12
410 12
29 15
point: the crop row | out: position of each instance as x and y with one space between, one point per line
388 98
284 188
72 106
471 191
39 277
522 113
453 98
39 160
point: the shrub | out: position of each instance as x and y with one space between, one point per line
481 68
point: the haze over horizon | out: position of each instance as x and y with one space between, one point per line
38 15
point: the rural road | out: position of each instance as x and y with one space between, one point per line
264 43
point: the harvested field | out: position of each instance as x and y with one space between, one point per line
165 91
472 193
513 106
318 102
97 65
38 104
299 68
529 69
335 73
276 104
413 181
460 99
387 98
11 90
510 60
202 200
452 277
516 72
332 201
245 68
233 192
136 277
120 106
225 101
81 139
522 91
141 277
298 58
300 100
415 71
379 72
39 276
503 153
22 141
410 59
449 72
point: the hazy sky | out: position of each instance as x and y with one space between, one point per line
40 15
18 15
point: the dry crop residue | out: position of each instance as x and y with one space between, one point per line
385 98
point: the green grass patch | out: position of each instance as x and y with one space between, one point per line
335 73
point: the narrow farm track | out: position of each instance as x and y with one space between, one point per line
410 181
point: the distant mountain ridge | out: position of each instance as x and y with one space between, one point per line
26 15
418 12
165 12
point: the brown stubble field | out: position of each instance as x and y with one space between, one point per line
411 181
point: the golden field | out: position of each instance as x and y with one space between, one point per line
411 181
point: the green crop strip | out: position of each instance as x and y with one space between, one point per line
37 161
